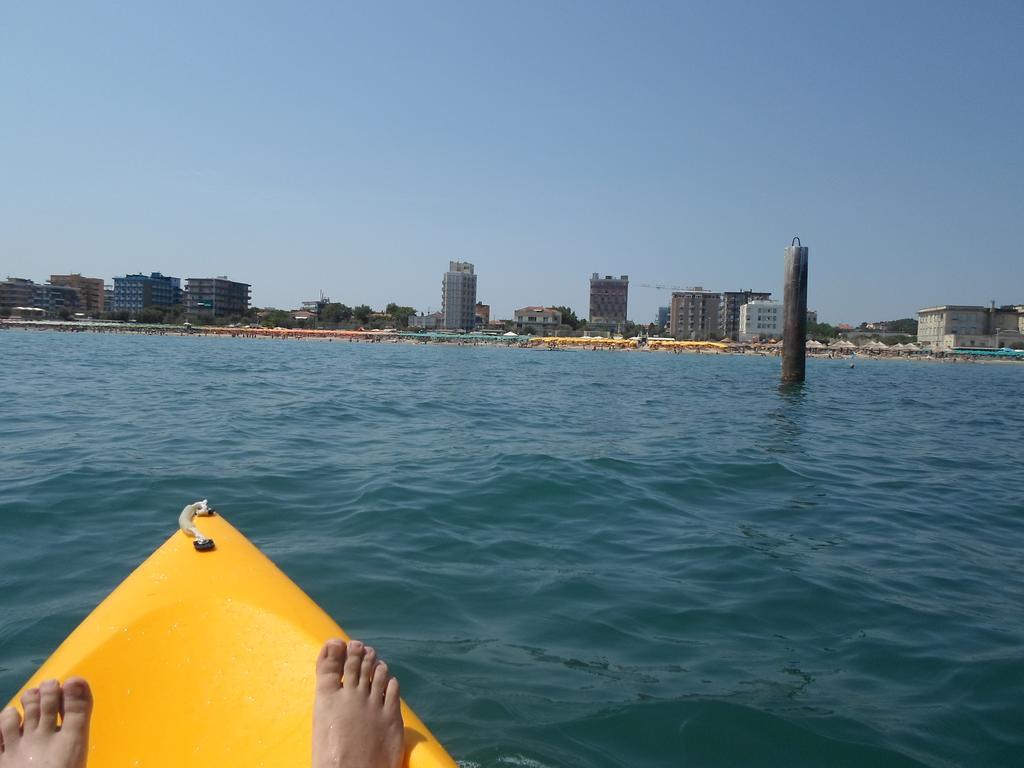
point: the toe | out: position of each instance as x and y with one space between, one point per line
380 682
10 725
367 668
77 705
329 666
49 704
30 703
392 699
353 663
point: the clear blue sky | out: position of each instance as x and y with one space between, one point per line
357 149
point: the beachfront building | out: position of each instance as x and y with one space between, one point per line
693 315
812 317
760 321
458 296
56 300
133 293
482 314
17 292
952 326
609 297
26 298
542 320
663 317
729 310
89 291
428 321
216 296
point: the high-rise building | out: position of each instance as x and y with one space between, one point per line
609 297
694 314
663 316
458 296
89 290
216 296
729 310
133 293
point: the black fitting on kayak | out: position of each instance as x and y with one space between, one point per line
204 545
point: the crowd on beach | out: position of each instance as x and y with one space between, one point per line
836 350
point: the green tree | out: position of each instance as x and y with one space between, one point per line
906 325
399 314
362 313
569 317
821 331
277 318
335 313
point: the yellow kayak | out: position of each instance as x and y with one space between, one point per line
205 659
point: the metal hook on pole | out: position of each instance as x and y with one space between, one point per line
795 241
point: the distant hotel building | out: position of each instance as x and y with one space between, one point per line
18 292
663 316
964 326
729 310
482 314
427 322
760 320
26 298
458 296
694 314
216 296
609 297
133 293
89 291
537 319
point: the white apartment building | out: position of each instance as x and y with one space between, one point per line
760 321
458 296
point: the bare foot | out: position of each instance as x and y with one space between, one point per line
39 741
357 719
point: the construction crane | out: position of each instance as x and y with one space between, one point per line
661 286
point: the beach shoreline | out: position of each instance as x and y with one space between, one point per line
544 344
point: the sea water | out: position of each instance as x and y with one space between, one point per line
568 558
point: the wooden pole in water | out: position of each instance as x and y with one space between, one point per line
794 313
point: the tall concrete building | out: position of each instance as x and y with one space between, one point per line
694 314
89 290
729 311
216 296
458 296
664 313
609 298
133 293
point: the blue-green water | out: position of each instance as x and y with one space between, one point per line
569 558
